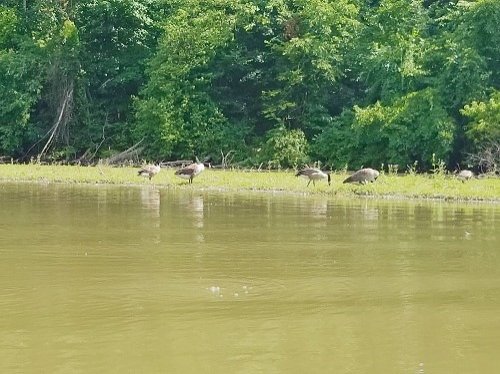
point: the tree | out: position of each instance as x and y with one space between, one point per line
355 82
413 128
484 125
175 114
21 76
230 69
117 38
392 50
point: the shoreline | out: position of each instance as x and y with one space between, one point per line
419 187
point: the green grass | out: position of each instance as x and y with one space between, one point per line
415 186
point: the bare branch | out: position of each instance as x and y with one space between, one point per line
487 158
133 151
226 159
62 118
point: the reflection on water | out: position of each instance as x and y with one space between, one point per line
150 200
121 279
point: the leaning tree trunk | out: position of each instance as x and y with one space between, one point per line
63 115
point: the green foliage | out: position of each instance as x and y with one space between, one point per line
308 44
364 83
484 126
246 68
412 128
21 79
8 23
478 28
37 75
438 167
21 86
285 148
175 114
393 49
117 38
336 143
463 74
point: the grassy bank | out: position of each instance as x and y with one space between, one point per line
387 186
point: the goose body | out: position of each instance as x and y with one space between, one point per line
190 171
313 175
363 176
149 171
465 175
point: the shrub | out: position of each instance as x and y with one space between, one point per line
484 126
412 128
285 148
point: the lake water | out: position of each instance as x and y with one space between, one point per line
141 280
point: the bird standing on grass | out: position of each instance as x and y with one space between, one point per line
465 175
149 171
193 170
313 175
363 176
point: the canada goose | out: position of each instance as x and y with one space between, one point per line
363 176
149 171
313 175
465 175
191 171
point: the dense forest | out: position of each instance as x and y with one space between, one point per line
278 82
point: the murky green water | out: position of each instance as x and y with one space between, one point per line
137 280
